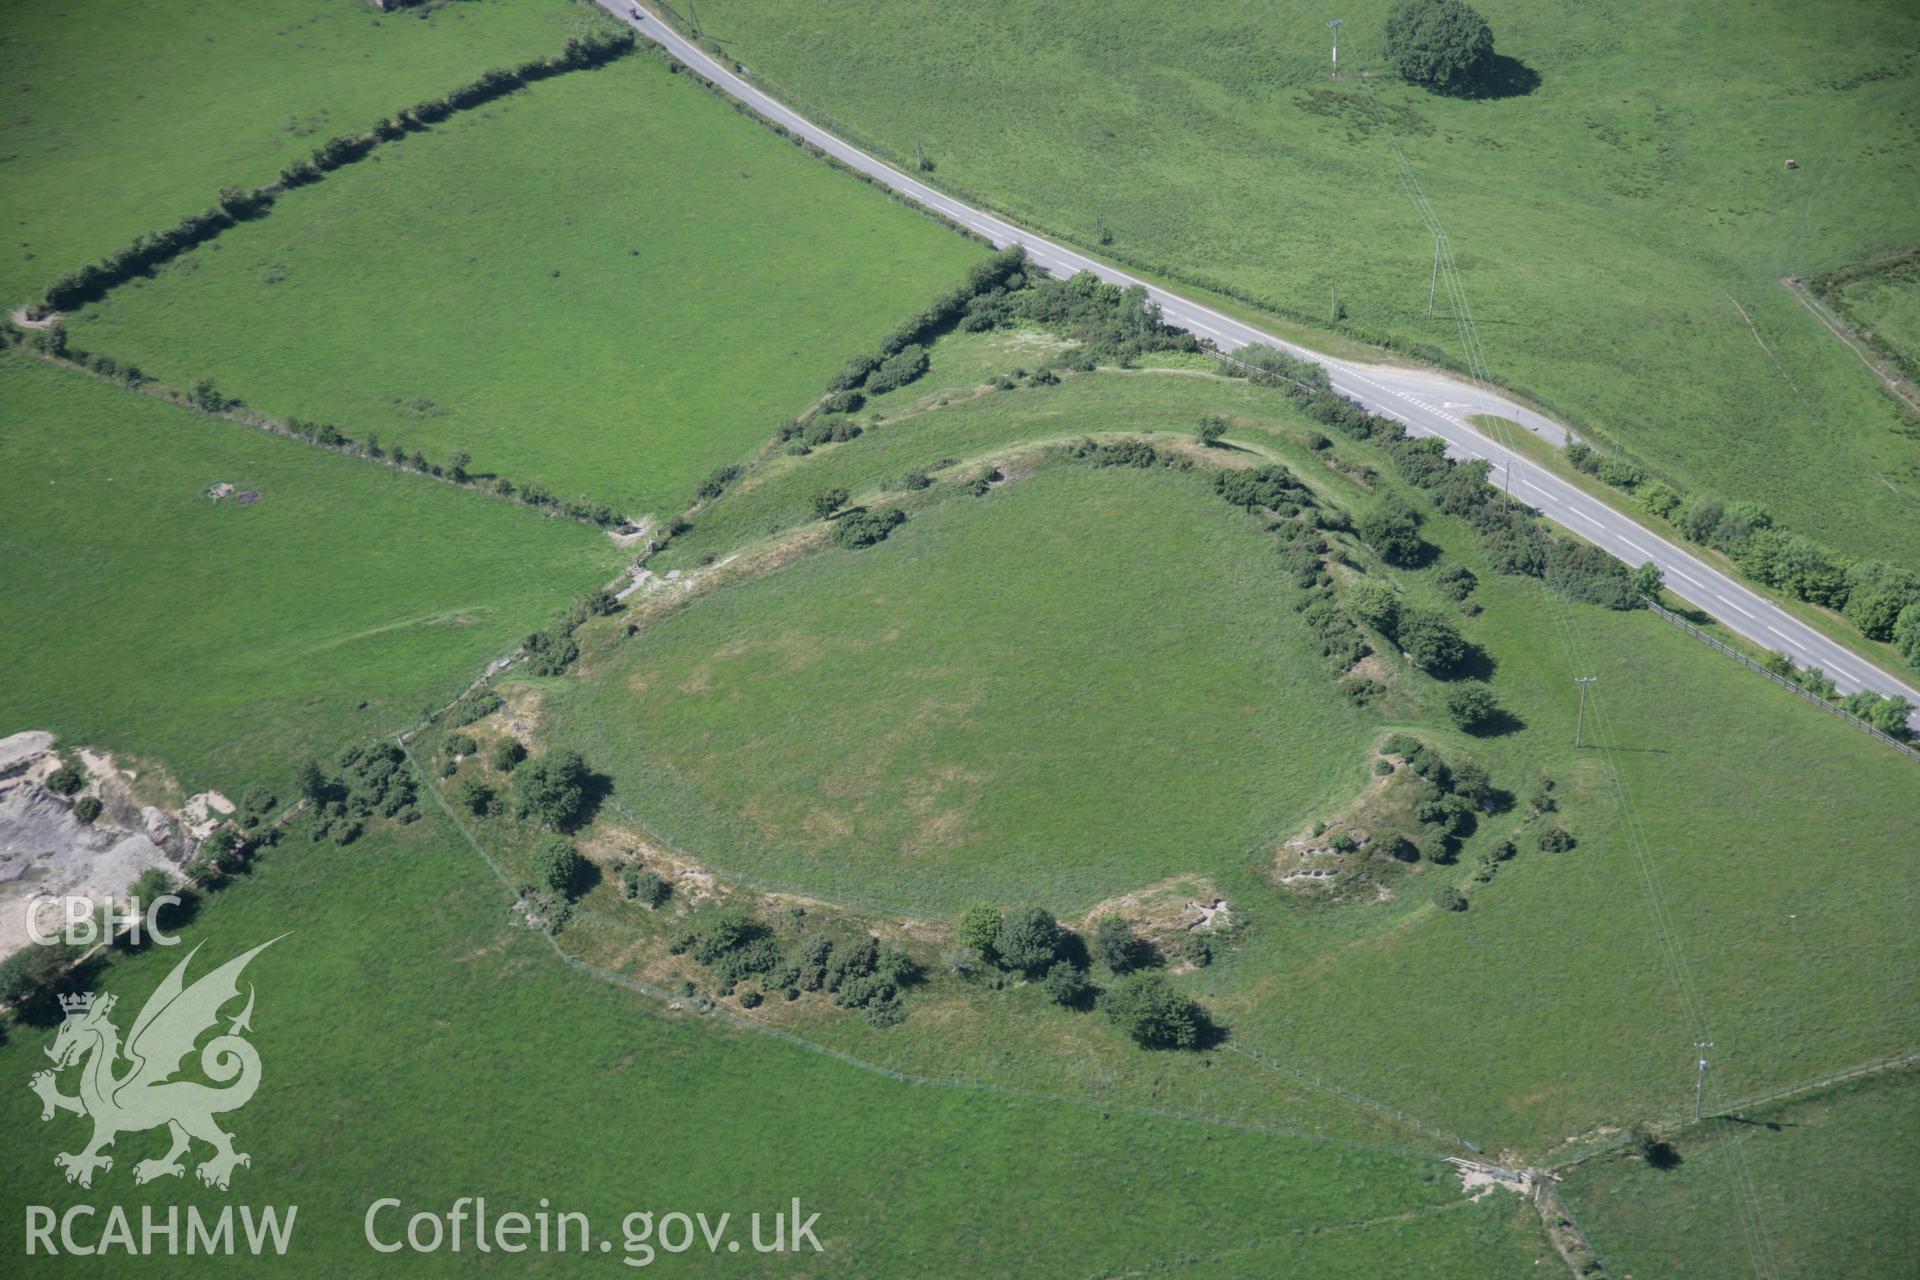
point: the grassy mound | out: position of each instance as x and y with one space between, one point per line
226 638
1078 685
677 282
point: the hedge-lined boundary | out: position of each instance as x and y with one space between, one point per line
238 204
50 344
1878 597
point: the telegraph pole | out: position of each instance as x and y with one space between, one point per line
1700 1080
1336 24
1581 723
1433 285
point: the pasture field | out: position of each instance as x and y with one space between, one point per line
1818 1166
1772 834
429 1054
1888 306
226 641
123 118
675 282
1076 687
1611 225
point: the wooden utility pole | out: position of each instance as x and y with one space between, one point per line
1433 285
1581 722
1700 1080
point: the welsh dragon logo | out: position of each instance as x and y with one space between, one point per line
146 1094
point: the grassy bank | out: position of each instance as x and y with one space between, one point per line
429 1053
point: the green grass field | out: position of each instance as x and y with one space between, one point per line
416 1046
677 283
1077 686
225 641
123 118
1825 1174
1606 223
1773 832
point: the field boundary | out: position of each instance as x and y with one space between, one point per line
1780 680
740 1022
234 205
236 412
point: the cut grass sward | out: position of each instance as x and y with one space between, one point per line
430 1054
676 283
226 640
123 118
1776 832
1600 221
1828 1177
1085 688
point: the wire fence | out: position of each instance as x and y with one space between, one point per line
1781 680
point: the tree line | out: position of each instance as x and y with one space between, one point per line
237 204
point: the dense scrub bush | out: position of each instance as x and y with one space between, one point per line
1456 582
1877 593
552 790
1553 840
1375 604
978 929
475 706
864 528
1108 322
1443 44
1066 984
1583 572
716 483
1115 945
86 809
558 866
1150 1009
1273 487
68 779
1430 641
551 652
1120 453
1270 366
825 504
1392 529
1340 642
1471 706
1028 940
647 888
897 370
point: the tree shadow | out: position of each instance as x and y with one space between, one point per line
1210 1034
40 1007
1499 724
1503 77
1475 664
1662 1156
595 791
